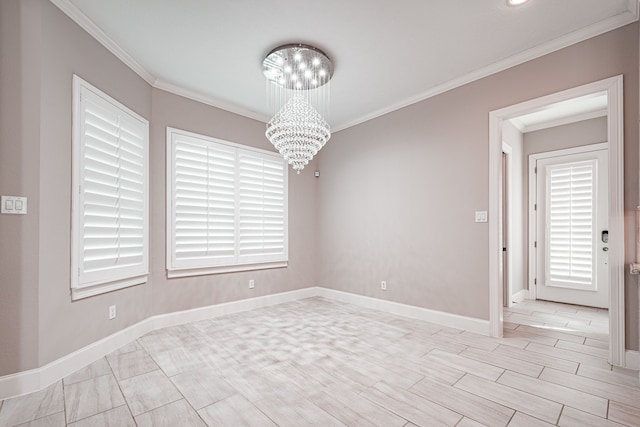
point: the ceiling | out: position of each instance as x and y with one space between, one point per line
564 112
387 54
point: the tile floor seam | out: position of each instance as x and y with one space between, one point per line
560 415
126 402
64 403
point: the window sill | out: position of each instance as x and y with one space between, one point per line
186 272
89 290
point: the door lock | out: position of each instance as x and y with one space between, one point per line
605 249
605 236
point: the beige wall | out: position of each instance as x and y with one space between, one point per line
184 293
398 193
19 175
571 135
67 49
41 50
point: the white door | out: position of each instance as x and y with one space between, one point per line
572 223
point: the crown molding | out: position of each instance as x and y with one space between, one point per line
209 100
96 32
620 20
631 15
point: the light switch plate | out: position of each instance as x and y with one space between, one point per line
13 205
481 216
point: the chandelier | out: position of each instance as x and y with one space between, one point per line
298 86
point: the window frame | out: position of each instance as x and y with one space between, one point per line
195 268
84 285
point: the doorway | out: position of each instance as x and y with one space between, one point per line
613 89
570 222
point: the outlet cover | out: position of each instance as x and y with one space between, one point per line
251 284
112 312
383 285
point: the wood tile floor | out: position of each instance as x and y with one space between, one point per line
324 363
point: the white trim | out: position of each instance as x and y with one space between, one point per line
187 272
610 24
568 151
559 122
532 227
36 379
583 34
613 87
101 288
520 296
496 312
210 100
508 151
451 320
227 308
72 11
615 135
632 360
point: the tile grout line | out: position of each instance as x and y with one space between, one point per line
64 403
560 414
126 402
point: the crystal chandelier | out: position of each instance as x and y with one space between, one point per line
298 86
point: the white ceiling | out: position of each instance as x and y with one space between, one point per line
562 113
387 54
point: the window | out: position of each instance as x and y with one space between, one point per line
110 147
226 206
571 219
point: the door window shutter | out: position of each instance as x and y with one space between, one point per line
110 201
570 225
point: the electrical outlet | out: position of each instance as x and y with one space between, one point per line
251 284
112 312
383 285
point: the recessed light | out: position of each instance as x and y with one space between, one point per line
516 2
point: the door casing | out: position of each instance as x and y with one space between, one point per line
613 86
507 211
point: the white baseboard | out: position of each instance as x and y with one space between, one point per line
470 324
208 312
520 296
36 379
632 359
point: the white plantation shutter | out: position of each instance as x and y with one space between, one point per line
570 225
110 222
204 206
226 206
261 207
